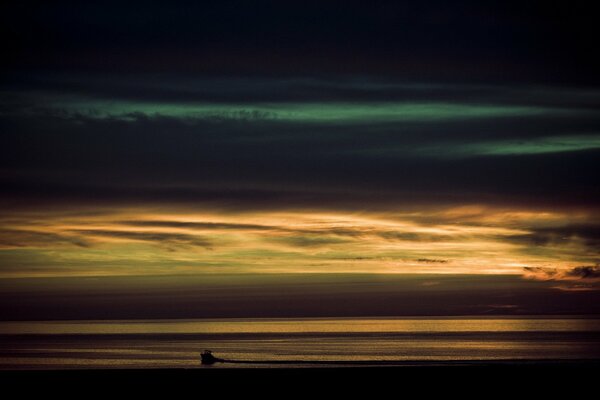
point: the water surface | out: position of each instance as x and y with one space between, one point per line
294 342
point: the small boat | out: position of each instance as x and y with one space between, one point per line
207 358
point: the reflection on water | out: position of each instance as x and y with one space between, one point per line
157 344
313 325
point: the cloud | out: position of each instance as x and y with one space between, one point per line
30 238
585 272
576 279
199 225
588 234
161 238
540 273
417 236
309 241
372 231
326 230
189 89
295 240
576 287
159 155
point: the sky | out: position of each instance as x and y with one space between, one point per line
287 143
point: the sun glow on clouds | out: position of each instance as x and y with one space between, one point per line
469 240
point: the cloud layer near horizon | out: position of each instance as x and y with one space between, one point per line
172 240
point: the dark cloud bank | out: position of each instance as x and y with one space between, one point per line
497 54
270 163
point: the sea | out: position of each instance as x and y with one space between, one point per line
296 342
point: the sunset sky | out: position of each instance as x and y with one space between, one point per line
299 144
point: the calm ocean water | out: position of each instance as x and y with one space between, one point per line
293 342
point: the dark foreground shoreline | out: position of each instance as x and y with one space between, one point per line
230 366
474 377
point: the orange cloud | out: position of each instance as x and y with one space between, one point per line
155 241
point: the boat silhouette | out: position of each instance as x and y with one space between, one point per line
207 358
